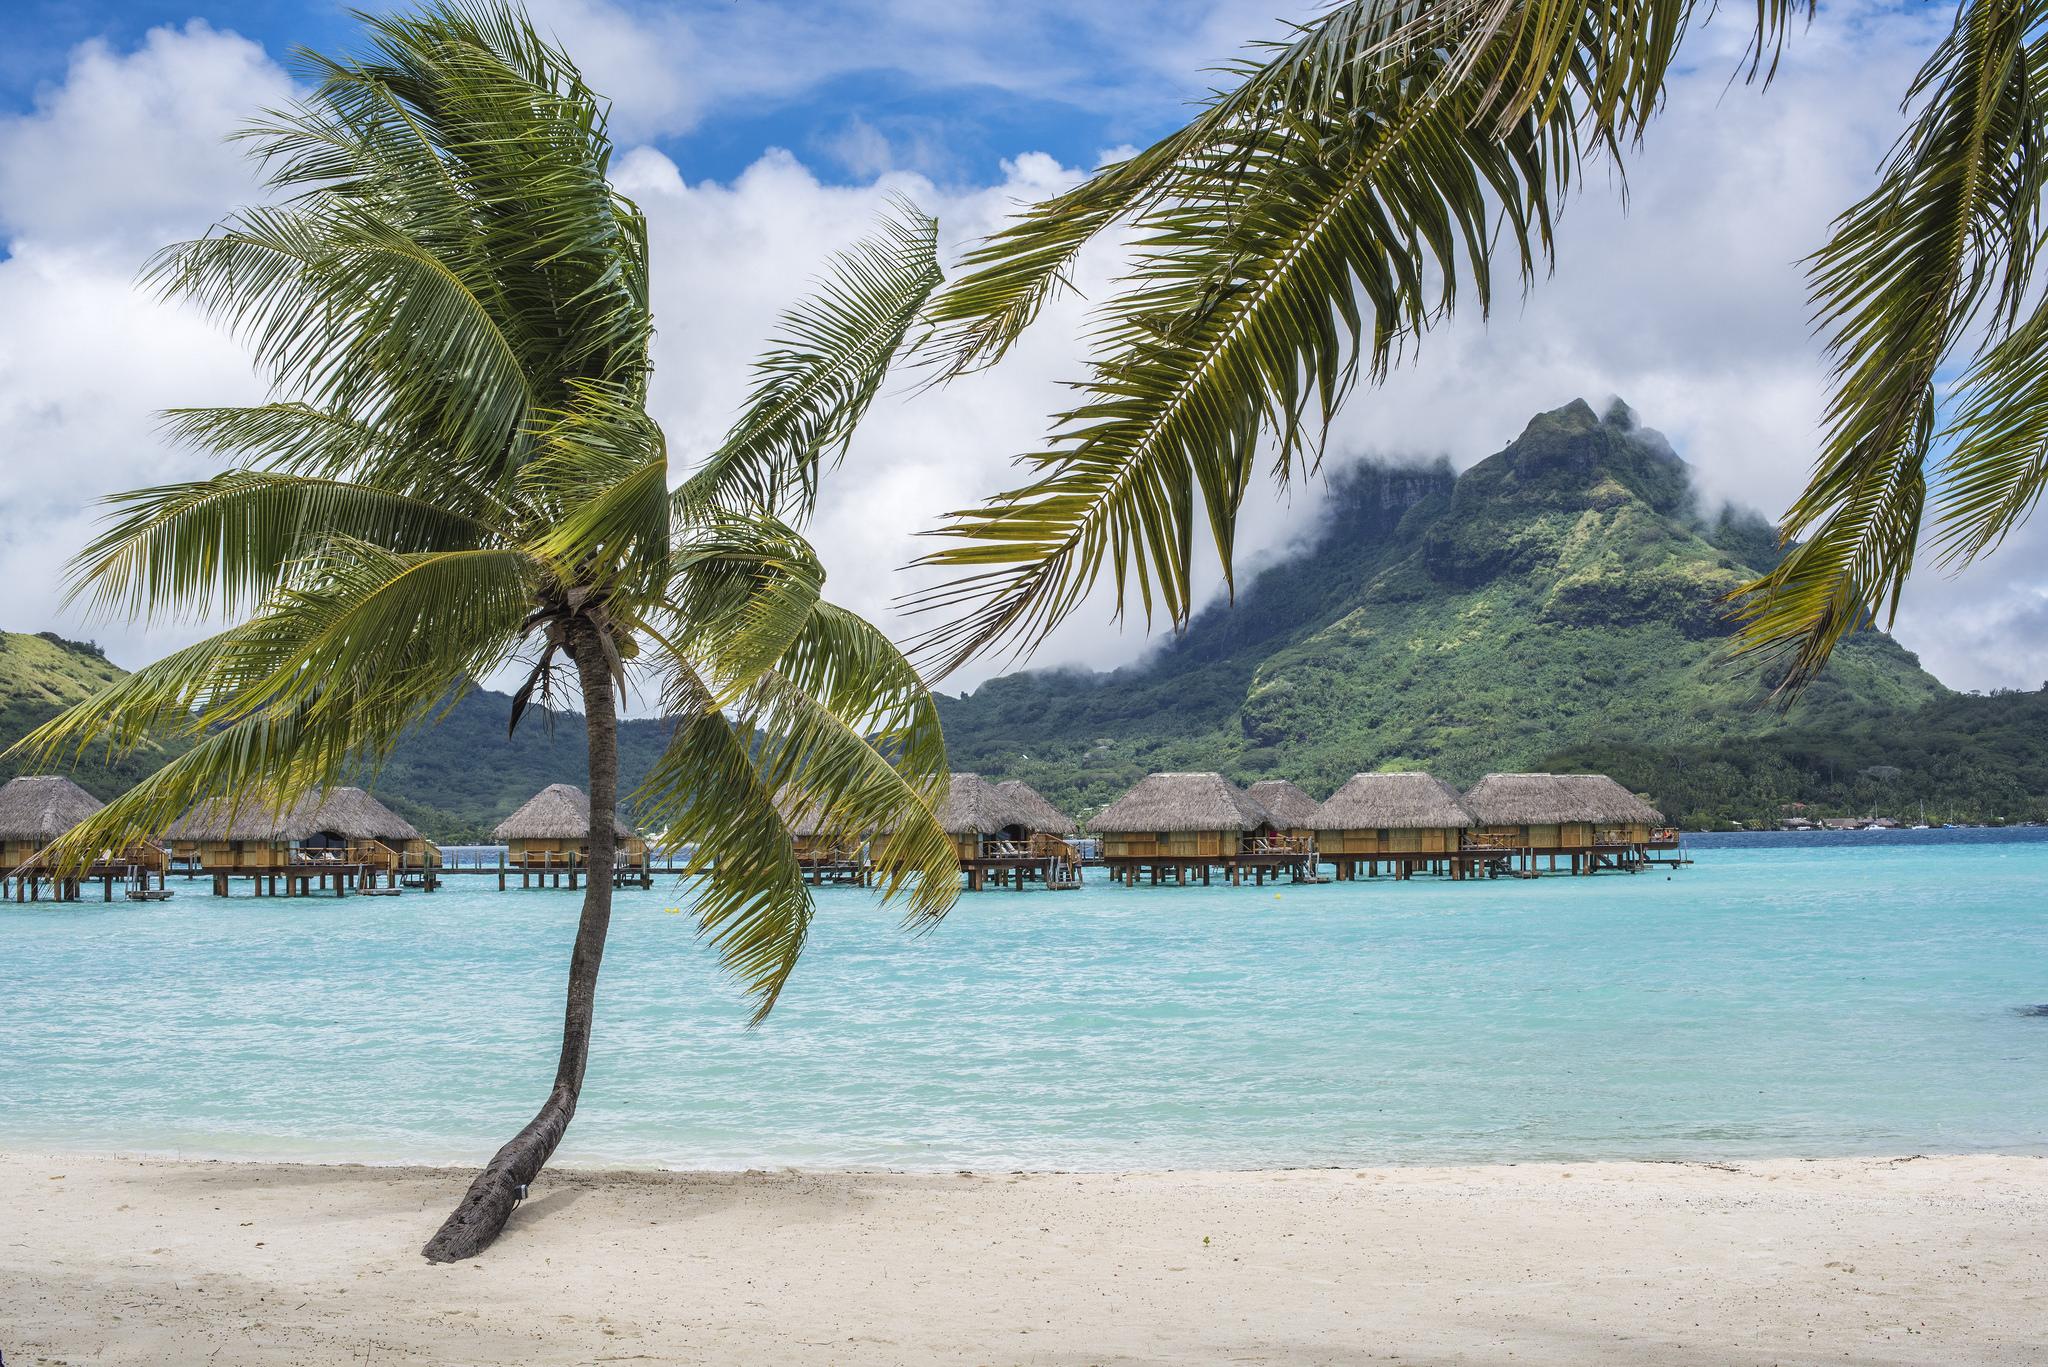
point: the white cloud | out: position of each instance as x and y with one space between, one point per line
128 152
1691 306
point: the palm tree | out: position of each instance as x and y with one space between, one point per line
1313 221
460 473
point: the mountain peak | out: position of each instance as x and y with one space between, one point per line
1570 457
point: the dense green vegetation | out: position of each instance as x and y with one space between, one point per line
1959 758
1561 594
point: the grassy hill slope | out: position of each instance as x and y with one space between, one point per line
40 676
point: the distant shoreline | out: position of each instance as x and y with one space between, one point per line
1900 1260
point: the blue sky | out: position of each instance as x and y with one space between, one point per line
1042 77
761 135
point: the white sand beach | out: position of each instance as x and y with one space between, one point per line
1921 1260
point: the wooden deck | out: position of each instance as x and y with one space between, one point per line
1002 865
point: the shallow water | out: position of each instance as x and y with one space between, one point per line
1784 996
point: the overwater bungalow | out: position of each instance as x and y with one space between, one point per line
1177 824
1588 819
1405 822
1290 811
37 809
550 835
1008 834
1037 814
341 837
825 855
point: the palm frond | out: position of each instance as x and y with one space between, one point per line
230 541
743 590
160 701
1240 326
1599 68
1996 463
706 791
598 487
355 315
1953 227
821 372
727 789
258 760
371 632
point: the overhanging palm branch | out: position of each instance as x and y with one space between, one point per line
1308 227
1320 215
824 367
1946 241
1604 64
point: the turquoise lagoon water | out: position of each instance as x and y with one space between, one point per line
1798 996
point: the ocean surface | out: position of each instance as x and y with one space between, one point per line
1785 995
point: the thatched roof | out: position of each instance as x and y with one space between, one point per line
1029 809
800 817
560 811
1544 799
41 807
1182 802
1288 805
1393 802
349 812
973 806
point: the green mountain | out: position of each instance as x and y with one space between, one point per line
1564 593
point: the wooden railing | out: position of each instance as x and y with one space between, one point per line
1491 840
1279 844
1039 846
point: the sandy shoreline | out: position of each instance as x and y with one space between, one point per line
1861 1261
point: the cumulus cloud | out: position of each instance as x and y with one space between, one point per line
1690 305
126 154
128 151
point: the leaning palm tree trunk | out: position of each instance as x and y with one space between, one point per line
497 1190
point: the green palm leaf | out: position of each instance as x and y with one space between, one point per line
822 370
233 540
1951 230
1240 327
